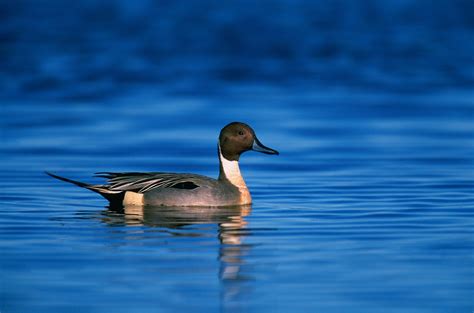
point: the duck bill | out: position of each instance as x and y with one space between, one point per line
259 147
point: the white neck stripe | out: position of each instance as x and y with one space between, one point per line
232 171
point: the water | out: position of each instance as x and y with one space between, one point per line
368 208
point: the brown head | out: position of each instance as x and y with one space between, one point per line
236 138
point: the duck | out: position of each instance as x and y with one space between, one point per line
183 189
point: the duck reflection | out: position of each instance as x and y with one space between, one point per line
230 220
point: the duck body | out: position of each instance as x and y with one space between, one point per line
211 192
178 189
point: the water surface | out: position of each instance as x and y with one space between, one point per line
369 207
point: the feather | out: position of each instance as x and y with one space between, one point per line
143 182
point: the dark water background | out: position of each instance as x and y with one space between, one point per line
369 207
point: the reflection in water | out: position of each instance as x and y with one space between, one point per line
228 218
232 253
231 231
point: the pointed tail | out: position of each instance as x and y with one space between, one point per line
115 197
75 182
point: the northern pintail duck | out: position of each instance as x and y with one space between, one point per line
177 189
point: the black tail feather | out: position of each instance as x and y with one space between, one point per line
114 197
75 182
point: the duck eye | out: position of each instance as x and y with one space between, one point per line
241 133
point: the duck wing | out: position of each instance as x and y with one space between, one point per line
143 182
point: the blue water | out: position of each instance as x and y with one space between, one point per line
369 207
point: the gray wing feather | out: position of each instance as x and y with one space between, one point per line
143 182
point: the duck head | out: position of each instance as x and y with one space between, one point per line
236 138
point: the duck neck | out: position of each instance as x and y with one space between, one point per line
230 171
